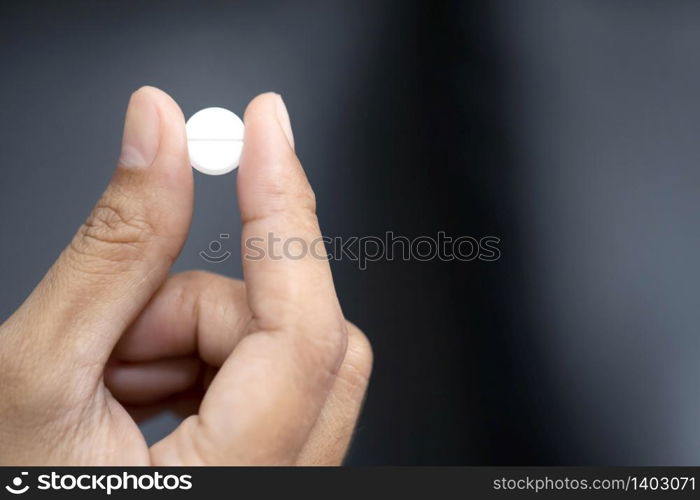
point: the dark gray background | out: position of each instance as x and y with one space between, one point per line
567 128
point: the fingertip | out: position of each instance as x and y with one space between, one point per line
157 96
173 135
154 127
168 109
268 158
261 105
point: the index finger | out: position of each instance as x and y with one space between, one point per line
263 403
290 286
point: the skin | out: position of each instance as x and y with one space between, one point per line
266 370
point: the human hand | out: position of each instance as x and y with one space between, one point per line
275 373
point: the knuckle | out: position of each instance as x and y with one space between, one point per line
303 220
307 198
113 222
290 192
194 287
193 279
115 231
325 348
304 197
359 357
202 279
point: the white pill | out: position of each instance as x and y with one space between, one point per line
215 140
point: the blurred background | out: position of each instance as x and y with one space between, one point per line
567 128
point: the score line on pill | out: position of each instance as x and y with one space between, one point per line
214 140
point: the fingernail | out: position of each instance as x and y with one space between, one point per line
141 132
283 119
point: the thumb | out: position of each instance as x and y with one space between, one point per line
125 248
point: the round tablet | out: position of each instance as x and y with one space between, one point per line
215 140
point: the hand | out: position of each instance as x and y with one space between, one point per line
268 369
